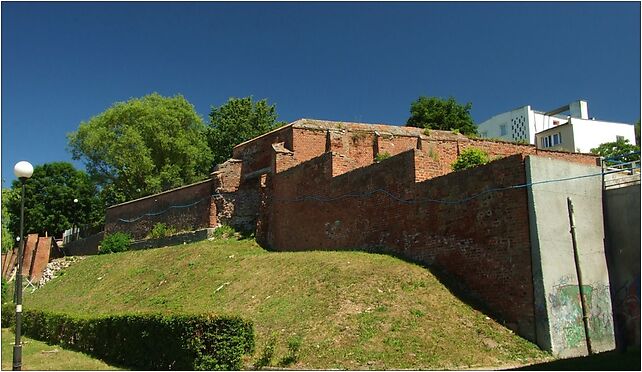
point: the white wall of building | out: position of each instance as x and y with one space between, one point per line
590 134
511 126
522 124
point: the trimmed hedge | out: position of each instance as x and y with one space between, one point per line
147 341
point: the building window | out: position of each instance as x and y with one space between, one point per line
484 134
552 140
502 130
619 138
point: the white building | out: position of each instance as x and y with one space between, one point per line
566 128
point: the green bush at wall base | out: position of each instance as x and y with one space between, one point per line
146 341
116 242
160 230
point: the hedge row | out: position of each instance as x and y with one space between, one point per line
146 341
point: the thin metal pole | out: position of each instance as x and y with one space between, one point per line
578 269
17 347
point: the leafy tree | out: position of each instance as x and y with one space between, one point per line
470 158
8 242
617 148
637 133
238 120
143 146
441 114
49 200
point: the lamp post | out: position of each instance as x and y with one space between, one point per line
23 170
75 219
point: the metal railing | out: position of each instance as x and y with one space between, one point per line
622 170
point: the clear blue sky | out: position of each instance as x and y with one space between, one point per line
63 63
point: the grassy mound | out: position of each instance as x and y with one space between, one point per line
346 310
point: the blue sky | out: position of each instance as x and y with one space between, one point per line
63 63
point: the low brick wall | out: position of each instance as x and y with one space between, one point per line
184 208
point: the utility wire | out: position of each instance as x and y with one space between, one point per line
325 199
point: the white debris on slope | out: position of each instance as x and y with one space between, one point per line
55 266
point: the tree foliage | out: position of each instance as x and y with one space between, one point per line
236 121
441 114
469 158
143 146
637 132
8 242
617 148
49 200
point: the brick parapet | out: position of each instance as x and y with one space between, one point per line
185 208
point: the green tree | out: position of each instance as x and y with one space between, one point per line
238 120
637 132
617 148
7 237
143 146
49 200
441 114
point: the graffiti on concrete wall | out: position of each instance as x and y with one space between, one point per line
567 325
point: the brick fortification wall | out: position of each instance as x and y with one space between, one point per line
185 208
484 242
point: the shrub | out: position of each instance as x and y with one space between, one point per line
160 230
148 341
382 156
469 158
116 242
224 232
426 131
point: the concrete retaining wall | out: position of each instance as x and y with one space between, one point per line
622 223
558 308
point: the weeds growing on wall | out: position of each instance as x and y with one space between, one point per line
469 158
382 156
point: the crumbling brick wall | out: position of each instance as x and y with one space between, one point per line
184 208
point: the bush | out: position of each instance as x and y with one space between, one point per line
469 158
224 232
116 242
160 230
147 341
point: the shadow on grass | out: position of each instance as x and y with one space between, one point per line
608 361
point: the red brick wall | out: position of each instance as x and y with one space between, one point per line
307 144
40 259
27 257
189 218
256 154
484 243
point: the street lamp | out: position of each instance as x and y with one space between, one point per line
75 219
23 170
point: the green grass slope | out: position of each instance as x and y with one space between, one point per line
350 310
38 356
